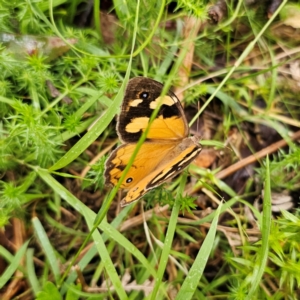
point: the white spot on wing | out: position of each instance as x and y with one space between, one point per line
166 100
135 103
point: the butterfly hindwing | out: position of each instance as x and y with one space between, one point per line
154 164
184 154
149 157
179 157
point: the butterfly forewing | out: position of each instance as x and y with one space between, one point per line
176 160
142 96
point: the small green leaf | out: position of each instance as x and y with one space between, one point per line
49 292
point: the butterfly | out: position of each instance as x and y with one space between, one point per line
167 150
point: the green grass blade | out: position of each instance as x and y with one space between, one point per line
4 253
32 278
47 247
265 229
190 284
7 100
97 96
167 247
246 52
66 135
93 134
13 266
105 258
90 216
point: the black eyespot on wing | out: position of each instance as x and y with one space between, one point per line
144 95
128 180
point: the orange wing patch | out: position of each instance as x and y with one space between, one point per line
161 128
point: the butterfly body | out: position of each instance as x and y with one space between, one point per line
167 149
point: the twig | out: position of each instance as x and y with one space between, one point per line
256 156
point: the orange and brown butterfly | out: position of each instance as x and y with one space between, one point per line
167 150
